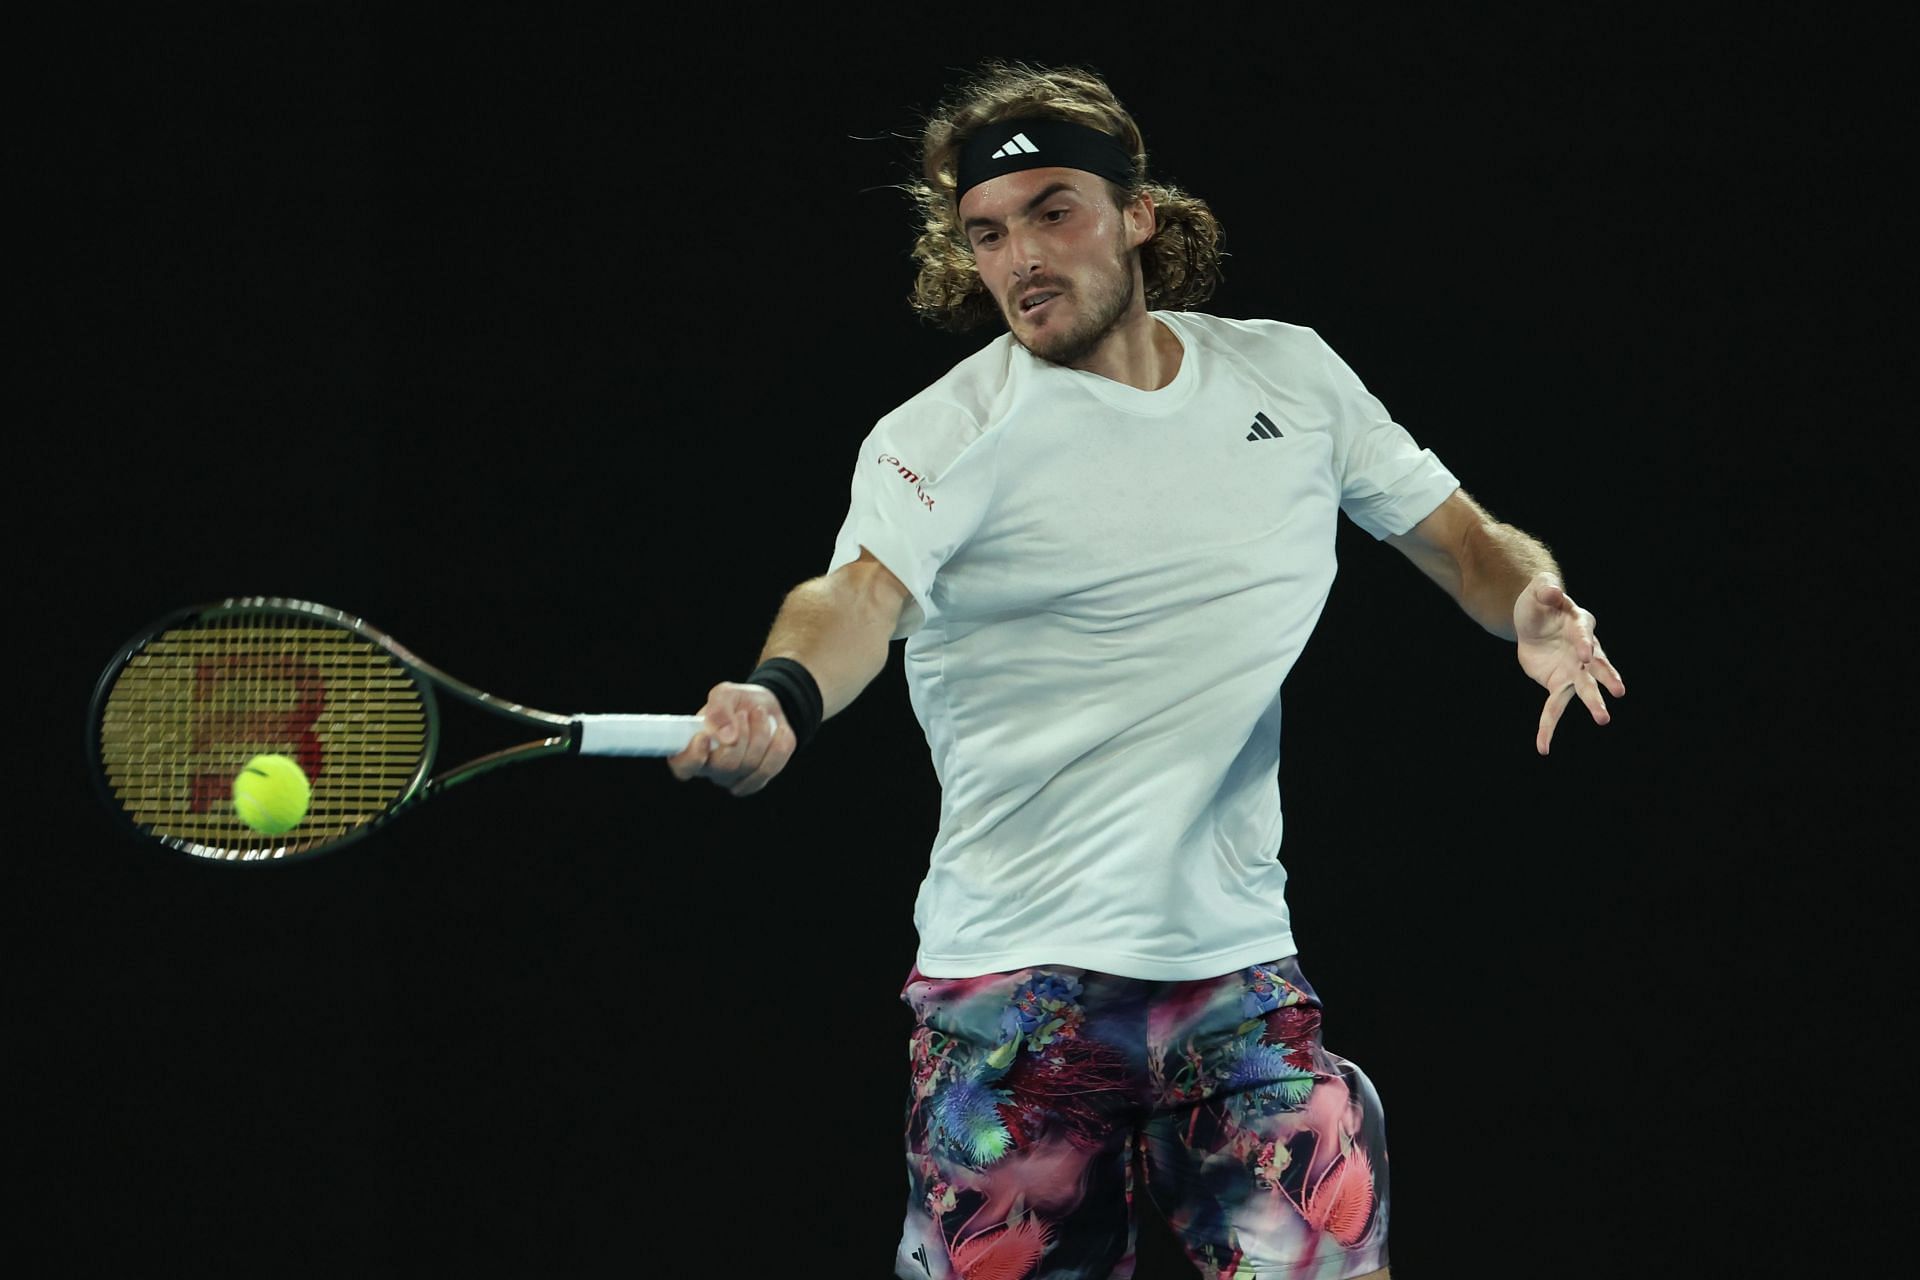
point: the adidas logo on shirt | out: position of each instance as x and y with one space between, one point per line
1018 145
920 1256
1263 428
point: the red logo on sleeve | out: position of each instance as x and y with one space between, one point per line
910 476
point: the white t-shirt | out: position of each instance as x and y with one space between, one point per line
1109 586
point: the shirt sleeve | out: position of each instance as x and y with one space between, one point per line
1388 483
920 488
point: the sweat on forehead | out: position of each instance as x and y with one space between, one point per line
1014 145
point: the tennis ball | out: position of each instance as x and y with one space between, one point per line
270 794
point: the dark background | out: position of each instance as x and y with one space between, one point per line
545 343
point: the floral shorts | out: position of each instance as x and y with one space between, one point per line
1039 1098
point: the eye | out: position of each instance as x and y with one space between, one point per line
1054 215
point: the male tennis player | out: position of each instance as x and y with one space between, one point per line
1105 538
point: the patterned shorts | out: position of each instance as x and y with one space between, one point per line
1040 1096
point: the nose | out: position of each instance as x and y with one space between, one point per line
1023 254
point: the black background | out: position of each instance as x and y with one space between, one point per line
545 343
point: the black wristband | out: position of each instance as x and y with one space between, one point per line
798 692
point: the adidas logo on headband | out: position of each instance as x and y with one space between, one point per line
1062 144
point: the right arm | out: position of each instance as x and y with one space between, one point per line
838 628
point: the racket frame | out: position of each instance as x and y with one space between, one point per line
562 737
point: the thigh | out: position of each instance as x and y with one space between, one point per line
1020 1118
1265 1152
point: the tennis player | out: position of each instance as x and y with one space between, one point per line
1105 537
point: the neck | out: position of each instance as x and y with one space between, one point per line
1140 352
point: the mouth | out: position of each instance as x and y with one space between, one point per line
1037 301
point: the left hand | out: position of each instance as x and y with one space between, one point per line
1558 649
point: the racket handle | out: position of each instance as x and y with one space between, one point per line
635 735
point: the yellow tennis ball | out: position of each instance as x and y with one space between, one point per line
270 794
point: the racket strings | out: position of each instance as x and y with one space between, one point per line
188 710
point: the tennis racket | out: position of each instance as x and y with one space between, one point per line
189 701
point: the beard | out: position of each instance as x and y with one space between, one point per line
1101 306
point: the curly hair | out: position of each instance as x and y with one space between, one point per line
1180 265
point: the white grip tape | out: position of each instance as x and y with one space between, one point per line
636 735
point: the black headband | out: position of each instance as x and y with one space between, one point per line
1013 145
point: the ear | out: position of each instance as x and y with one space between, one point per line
1140 221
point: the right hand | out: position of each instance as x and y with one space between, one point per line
747 740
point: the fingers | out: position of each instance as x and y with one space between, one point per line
1589 690
746 742
743 735
779 749
1586 683
693 761
1550 716
1604 672
1595 673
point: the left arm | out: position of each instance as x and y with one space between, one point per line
1508 582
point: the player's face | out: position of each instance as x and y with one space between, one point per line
1057 257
